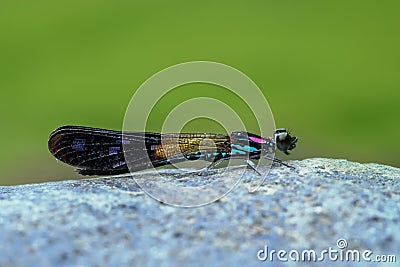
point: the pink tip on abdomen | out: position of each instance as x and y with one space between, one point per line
257 140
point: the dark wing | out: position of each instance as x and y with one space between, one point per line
99 152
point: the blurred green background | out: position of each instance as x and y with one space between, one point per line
329 69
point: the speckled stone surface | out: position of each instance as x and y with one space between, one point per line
111 222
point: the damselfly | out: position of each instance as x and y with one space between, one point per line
100 152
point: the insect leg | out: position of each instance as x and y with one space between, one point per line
279 162
211 166
252 165
215 164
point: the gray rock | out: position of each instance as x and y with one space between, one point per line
112 222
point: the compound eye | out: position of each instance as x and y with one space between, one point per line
280 137
280 130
